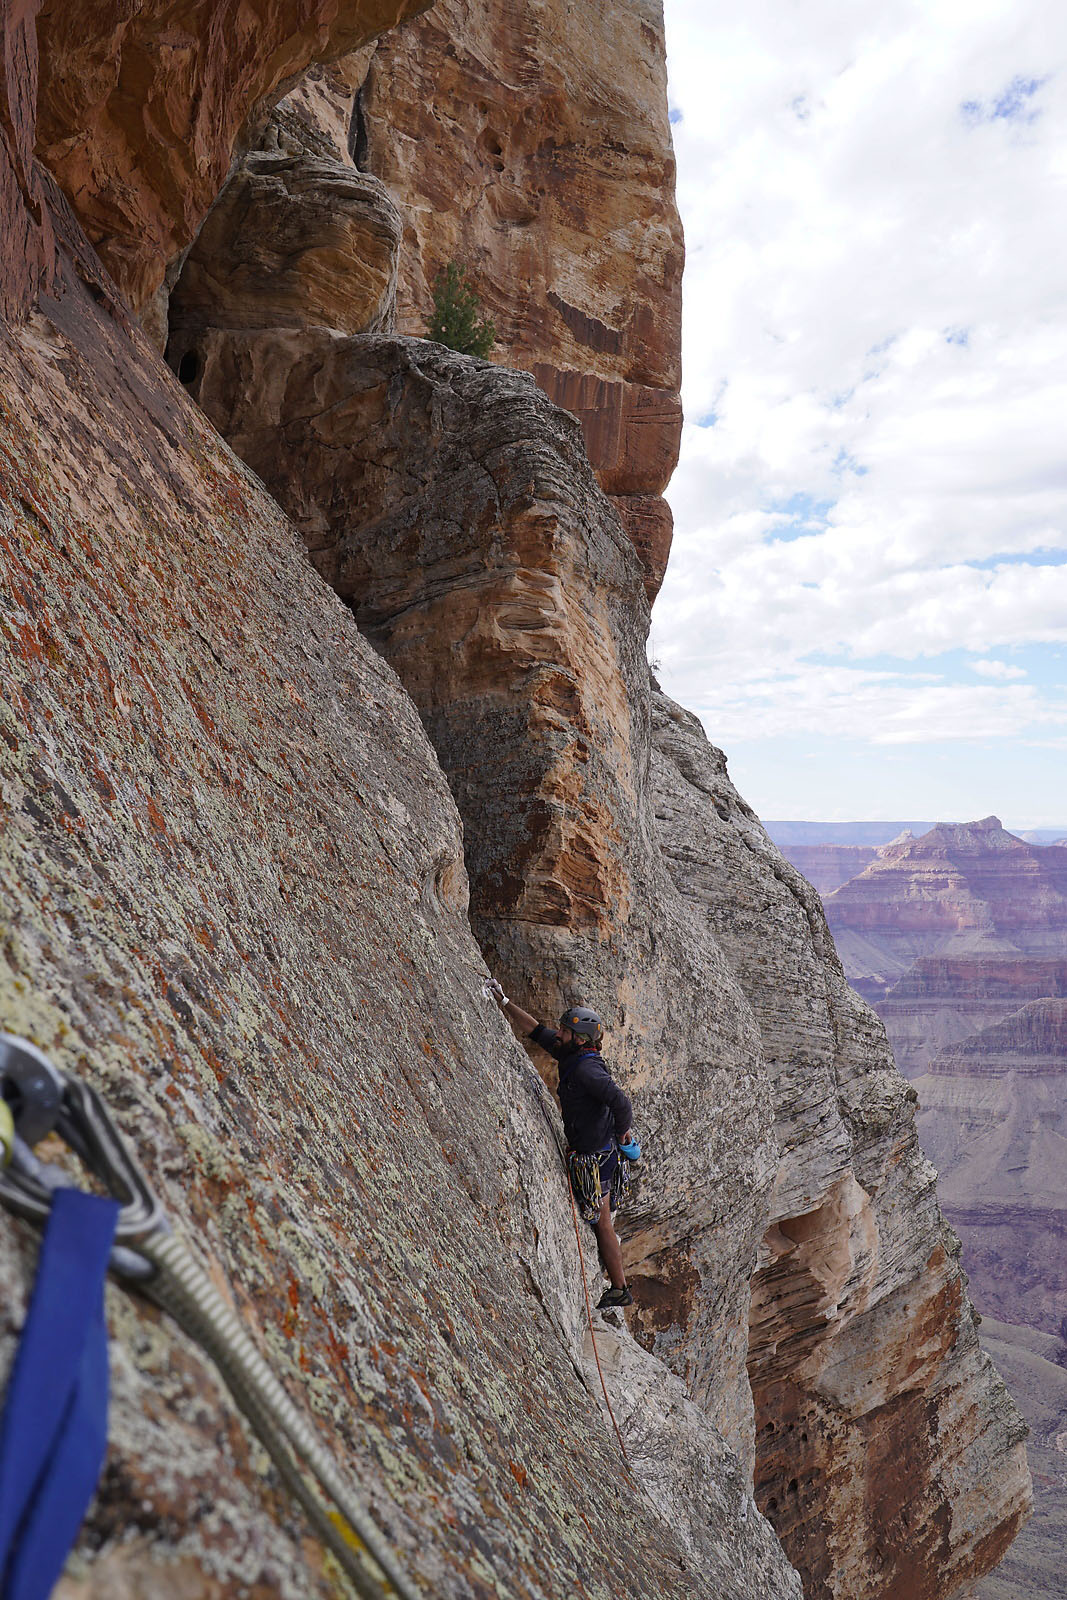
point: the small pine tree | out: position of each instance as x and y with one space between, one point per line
455 321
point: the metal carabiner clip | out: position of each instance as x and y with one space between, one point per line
43 1100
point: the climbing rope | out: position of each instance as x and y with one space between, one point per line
589 1315
153 1259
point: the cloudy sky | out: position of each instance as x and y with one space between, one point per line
867 601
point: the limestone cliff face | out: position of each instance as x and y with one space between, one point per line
232 869
450 505
531 144
859 1314
978 1025
234 897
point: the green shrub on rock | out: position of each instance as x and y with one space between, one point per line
455 321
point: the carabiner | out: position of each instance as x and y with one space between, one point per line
44 1100
31 1086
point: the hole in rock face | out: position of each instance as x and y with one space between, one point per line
493 146
189 367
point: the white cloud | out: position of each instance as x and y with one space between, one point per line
997 669
875 331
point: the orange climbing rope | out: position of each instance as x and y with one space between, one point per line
589 1314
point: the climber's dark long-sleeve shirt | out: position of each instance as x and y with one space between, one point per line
594 1107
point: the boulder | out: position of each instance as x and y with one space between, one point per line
293 239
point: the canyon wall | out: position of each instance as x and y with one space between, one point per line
945 1000
446 500
976 1019
828 866
859 1316
249 871
995 1123
530 144
963 890
979 1025
234 898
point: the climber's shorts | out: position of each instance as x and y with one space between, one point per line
608 1161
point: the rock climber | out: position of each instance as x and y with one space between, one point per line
597 1121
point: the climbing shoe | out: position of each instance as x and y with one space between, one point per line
615 1297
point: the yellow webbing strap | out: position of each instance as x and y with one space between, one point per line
7 1133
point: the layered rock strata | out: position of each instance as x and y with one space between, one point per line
994 1120
451 505
828 866
531 144
481 559
859 1315
965 890
237 902
234 898
141 107
293 239
944 1000
979 1026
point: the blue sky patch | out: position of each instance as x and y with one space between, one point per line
845 462
1043 556
1042 666
960 336
674 114
1012 104
806 516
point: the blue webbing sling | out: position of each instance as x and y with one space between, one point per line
53 1434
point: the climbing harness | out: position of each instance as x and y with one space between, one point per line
587 1182
150 1257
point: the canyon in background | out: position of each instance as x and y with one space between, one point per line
958 937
